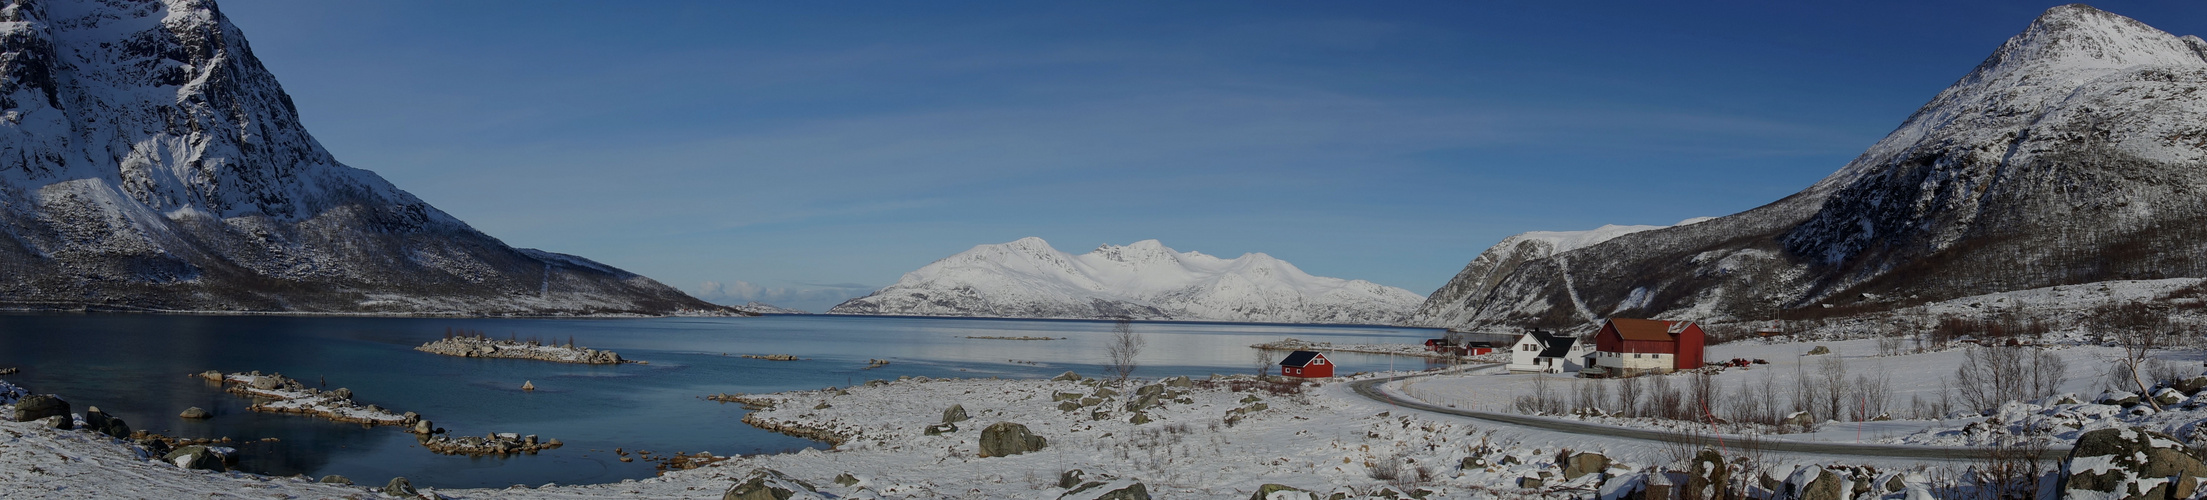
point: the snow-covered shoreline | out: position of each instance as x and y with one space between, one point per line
1225 436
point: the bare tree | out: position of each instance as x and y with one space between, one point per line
1262 358
1124 347
1834 383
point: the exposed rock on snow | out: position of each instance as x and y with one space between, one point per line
2072 155
1145 280
2130 463
1006 439
149 161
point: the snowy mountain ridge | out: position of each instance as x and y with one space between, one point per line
149 161
2073 154
1028 278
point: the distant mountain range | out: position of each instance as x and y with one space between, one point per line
1145 280
149 162
2076 153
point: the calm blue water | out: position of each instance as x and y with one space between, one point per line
137 367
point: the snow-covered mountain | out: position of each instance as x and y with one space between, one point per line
1144 280
149 161
2076 153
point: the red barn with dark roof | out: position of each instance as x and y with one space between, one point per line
1306 364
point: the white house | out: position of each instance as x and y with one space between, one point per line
1545 352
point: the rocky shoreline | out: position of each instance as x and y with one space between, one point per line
285 395
479 346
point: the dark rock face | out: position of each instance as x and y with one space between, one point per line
39 406
2129 463
2071 155
1006 439
149 161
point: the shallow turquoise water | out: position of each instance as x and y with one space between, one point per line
137 367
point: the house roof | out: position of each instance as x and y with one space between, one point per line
1643 329
1300 358
1552 345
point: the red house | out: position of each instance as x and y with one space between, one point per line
1306 364
1443 346
1627 346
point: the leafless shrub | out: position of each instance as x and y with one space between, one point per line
1542 401
1992 375
1832 373
1124 346
1871 397
1262 359
1628 397
2011 468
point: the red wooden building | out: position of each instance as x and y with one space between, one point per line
1627 346
1306 364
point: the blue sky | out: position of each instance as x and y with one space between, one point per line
800 152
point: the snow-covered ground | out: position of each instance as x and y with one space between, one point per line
1916 382
1203 439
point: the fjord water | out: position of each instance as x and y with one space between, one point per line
138 367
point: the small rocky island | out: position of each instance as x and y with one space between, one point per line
476 345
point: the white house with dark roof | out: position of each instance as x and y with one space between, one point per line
1549 353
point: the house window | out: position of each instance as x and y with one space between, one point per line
1318 362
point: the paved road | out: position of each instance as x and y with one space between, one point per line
1370 389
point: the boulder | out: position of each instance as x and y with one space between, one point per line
211 375
2167 396
1069 406
194 413
1065 396
62 423
1281 492
940 429
2128 463
1581 464
425 427
154 447
400 487
1068 376
1707 477
103 423
1819 350
1115 490
1179 381
342 393
2118 398
37 406
769 484
846 479
1105 392
271 382
1139 418
336 479
1072 478
196 457
956 413
1006 439
1529 482
1814 483
2192 385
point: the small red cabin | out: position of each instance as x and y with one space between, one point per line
1443 346
1306 364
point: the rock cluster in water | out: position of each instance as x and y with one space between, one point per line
498 443
285 395
484 347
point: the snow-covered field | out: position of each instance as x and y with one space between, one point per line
1217 438
1916 381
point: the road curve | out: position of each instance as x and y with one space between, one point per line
1370 389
